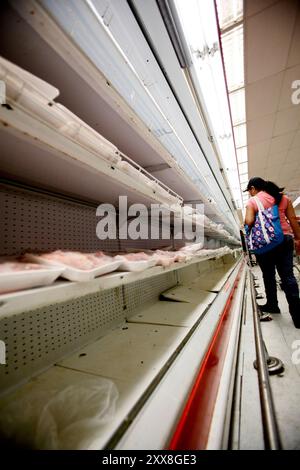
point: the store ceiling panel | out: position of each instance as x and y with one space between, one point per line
268 38
272 65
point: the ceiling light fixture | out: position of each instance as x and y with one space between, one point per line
199 25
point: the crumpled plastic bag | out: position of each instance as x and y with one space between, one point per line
65 418
192 248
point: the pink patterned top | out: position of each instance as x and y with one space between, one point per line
268 201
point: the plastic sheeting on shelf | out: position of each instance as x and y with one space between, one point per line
59 418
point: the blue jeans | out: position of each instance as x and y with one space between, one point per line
281 258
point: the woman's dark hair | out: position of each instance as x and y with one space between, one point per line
274 190
267 186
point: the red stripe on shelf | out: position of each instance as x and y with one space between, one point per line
193 427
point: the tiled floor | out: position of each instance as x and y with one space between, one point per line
282 340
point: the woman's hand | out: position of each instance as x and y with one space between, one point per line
292 218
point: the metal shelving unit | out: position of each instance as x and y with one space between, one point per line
108 75
137 348
117 326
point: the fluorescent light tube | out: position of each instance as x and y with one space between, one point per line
240 135
230 12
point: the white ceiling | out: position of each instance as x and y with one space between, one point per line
272 63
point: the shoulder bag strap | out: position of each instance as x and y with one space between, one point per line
259 204
260 209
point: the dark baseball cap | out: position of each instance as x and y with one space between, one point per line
257 182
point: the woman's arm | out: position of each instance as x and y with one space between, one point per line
250 216
291 216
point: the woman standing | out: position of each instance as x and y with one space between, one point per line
280 257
